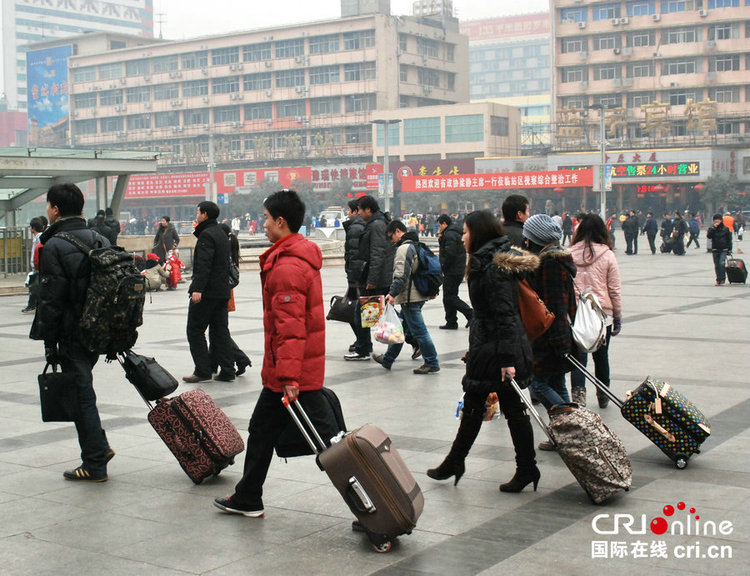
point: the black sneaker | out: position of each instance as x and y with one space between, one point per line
354 357
449 327
242 367
380 359
224 377
82 475
230 507
425 369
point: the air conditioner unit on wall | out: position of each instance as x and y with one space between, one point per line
655 17
624 21
615 21
702 13
582 25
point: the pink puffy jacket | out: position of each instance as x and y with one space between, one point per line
599 270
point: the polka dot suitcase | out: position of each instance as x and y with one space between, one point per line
662 414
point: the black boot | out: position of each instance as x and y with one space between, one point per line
453 465
527 473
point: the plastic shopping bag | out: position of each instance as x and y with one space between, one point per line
388 330
371 309
491 407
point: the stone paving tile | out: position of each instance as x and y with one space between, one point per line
151 519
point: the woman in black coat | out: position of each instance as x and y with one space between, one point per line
498 348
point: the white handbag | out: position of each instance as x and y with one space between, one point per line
589 327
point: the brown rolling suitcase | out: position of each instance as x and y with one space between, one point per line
371 476
591 451
197 432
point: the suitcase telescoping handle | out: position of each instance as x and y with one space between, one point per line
531 409
603 388
318 445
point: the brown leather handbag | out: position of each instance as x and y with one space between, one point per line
536 318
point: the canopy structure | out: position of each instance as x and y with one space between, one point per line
26 173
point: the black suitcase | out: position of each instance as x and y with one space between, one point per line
292 444
663 415
151 380
371 476
736 270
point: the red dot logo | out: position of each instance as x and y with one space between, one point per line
668 510
692 510
659 526
681 506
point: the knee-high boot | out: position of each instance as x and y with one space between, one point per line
527 473
453 465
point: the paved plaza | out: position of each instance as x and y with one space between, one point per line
150 519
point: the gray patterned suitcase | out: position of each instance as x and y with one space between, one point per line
590 450
371 476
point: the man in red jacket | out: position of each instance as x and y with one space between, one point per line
294 358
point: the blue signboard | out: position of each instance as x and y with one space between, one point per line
47 88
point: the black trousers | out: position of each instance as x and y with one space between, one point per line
451 302
651 241
631 242
210 313
266 425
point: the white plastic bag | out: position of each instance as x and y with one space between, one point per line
388 330
589 327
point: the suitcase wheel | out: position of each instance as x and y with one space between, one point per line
383 548
380 544
681 461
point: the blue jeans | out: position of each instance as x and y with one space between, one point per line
720 266
550 389
411 312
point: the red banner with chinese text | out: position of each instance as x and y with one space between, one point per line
500 181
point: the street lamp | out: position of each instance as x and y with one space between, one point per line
386 166
602 161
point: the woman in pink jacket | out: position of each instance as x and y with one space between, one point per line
598 269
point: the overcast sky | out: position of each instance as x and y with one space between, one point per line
190 18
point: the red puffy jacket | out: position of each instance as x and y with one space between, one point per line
293 315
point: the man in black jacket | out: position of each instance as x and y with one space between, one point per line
209 293
113 223
721 245
515 212
377 254
354 227
631 229
65 275
453 263
650 228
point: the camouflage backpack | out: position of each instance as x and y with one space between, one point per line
114 301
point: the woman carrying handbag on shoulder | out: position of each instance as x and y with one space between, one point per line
498 348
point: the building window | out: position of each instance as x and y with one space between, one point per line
428 48
499 126
636 39
669 6
574 74
606 42
606 11
725 31
195 88
713 4
110 98
679 36
113 124
426 77
324 44
570 15
680 97
450 52
86 100
360 103
355 135
164 64
259 111
450 78
321 106
359 40
422 131
394 134
324 74
571 45
138 94
290 78
193 117
139 122
166 91
290 48
609 100
573 102
220 56
467 128
85 126
725 94
260 81
256 52
193 60
87 74
641 8
402 42
724 63
225 85
672 67
110 71
226 114
727 127
137 68
165 119
403 73
290 108
641 69
638 99
359 71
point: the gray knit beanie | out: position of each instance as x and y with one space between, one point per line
541 230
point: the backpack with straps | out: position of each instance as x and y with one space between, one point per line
113 308
427 277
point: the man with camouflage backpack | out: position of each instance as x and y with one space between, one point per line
65 277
